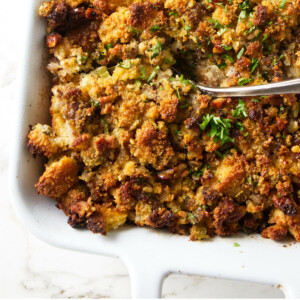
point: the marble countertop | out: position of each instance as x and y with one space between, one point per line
30 268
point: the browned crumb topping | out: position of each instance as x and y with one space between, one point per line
132 142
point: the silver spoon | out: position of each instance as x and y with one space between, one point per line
277 88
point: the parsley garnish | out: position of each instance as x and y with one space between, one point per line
281 110
236 245
184 105
138 83
221 31
193 220
153 74
239 125
143 71
178 94
282 4
95 103
222 66
252 28
219 128
185 81
241 52
83 59
265 37
240 110
134 31
243 14
254 64
108 46
156 49
154 28
167 61
226 56
244 81
225 47
244 5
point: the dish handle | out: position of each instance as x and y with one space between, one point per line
292 289
146 279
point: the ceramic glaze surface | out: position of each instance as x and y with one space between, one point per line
149 255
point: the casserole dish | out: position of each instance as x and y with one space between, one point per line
148 255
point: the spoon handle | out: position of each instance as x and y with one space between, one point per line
278 88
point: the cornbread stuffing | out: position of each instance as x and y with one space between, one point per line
133 142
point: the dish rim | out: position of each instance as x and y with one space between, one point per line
134 244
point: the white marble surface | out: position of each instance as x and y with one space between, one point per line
30 268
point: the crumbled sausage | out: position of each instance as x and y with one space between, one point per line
285 204
261 15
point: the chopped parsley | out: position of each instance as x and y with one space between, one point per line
281 110
240 54
167 61
184 105
138 82
187 28
156 49
221 31
153 74
83 59
222 66
95 103
108 46
219 128
244 81
240 110
236 245
251 29
244 5
254 64
154 28
185 81
282 4
225 47
243 14
178 94
143 71
265 37
172 13
192 218
226 56
134 31
239 126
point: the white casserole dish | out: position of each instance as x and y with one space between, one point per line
148 254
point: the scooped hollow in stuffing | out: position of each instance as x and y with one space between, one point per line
132 142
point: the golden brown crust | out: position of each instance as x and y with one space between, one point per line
275 232
58 178
40 141
148 147
152 146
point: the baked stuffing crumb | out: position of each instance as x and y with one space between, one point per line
132 142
